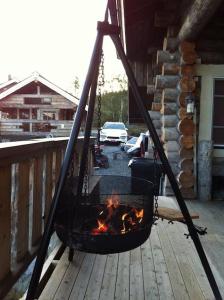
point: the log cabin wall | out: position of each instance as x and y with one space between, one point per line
174 37
174 84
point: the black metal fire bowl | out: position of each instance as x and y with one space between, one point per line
78 229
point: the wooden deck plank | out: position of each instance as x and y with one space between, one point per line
82 280
56 278
71 274
148 269
196 265
122 284
109 278
166 266
136 276
179 247
178 286
95 281
162 277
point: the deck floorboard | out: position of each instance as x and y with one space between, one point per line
166 266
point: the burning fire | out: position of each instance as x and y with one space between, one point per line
117 218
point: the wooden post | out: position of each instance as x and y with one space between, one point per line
48 183
5 221
37 200
22 238
205 170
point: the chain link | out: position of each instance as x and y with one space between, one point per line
155 184
71 168
101 82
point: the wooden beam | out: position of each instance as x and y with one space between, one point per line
198 16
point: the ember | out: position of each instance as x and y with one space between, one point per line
117 218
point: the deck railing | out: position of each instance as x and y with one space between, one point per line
35 127
28 174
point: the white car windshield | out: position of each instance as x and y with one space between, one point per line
114 126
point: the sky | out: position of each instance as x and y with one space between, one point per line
54 38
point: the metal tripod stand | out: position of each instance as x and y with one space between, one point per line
104 28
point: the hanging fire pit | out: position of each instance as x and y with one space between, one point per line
114 214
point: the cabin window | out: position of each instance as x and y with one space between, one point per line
34 114
32 101
49 115
24 114
218 111
9 113
37 101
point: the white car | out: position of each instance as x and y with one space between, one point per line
114 132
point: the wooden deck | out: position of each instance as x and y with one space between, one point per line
166 266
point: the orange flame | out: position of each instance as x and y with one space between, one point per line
129 219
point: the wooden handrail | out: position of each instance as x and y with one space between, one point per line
28 174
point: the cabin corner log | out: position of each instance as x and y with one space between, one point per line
187 84
167 57
170 134
169 109
170 95
186 47
186 127
186 179
182 113
187 70
186 153
186 164
169 120
182 99
198 16
187 141
167 81
170 69
156 106
172 146
157 96
155 115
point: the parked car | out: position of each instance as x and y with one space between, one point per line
114 132
130 143
140 146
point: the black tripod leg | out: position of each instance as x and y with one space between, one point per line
85 147
166 165
61 181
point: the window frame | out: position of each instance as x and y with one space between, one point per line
216 145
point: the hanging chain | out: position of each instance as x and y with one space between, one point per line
71 168
85 183
156 213
101 81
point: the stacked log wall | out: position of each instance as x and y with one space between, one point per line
175 83
186 125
